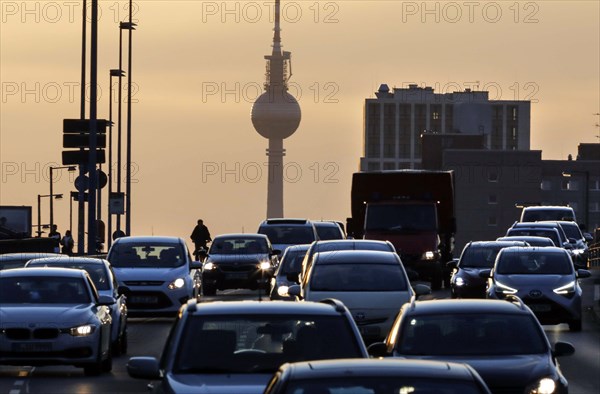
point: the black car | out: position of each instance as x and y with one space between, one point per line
287 272
501 339
236 346
329 230
532 240
376 376
544 278
238 261
476 256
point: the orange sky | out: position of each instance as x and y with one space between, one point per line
198 65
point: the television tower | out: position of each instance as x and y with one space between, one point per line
276 116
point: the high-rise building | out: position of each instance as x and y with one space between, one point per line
276 116
395 120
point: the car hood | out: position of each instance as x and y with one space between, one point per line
218 383
238 258
145 273
44 313
471 273
534 280
510 370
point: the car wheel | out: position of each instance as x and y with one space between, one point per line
209 290
575 325
123 342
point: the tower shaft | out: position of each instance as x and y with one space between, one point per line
275 154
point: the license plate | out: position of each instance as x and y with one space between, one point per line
540 307
144 299
237 275
32 347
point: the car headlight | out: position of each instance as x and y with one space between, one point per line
283 291
177 284
459 282
264 265
82 331
210 266
429 255
502 288
577 252
566 289
543 386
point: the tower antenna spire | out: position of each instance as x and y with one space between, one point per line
277 29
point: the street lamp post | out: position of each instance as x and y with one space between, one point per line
113 73
39 210
70 168
586 196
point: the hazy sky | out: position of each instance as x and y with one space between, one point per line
198 66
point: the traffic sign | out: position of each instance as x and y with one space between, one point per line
83 141
82 183
102 179
84 125
70 157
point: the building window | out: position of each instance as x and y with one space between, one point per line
595 184
492 221
572 185
373 166
492 199
564 184
546 185
515 113
595 206
389 166
435 116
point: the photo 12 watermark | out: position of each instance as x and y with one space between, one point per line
51 92
254 172
470 11
53 12
263 11
37 172
326 92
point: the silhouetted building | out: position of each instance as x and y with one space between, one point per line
395 121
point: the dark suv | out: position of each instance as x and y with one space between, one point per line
236 346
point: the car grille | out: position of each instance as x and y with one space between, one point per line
80 352
144 282
238 268
23 334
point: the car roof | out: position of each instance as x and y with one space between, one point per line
535 249
490 244
261 307
357 256
241 235
148 239
326 224
297 248
43 271
69 260
357 367
26 256
287 221
350 241
467 305
531 238
548 208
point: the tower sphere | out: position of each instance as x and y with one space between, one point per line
276 115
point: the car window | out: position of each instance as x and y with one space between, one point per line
471 335
261 343
535 215
358 277
291 262
238 246
479 256
288 234
537 232
572 230
381 384
534 263
44 290
156 255
96 272
326 232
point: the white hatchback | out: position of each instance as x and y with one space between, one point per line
372 284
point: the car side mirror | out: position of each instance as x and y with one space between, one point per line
588 237
377 349
567 245
106 300
563 349
295 291
582 274
276 252
195 265
452 264
487 273
123 290
421 290
143 368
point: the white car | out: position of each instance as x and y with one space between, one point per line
158 273
372 284
54 316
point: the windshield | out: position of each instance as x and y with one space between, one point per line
401 217
153 255
96 272
327 232
537 215
381 385
43 290
238 246
534 263
261 343
471 335
292 261
479 256
572 230
288 234
536 232
358 277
